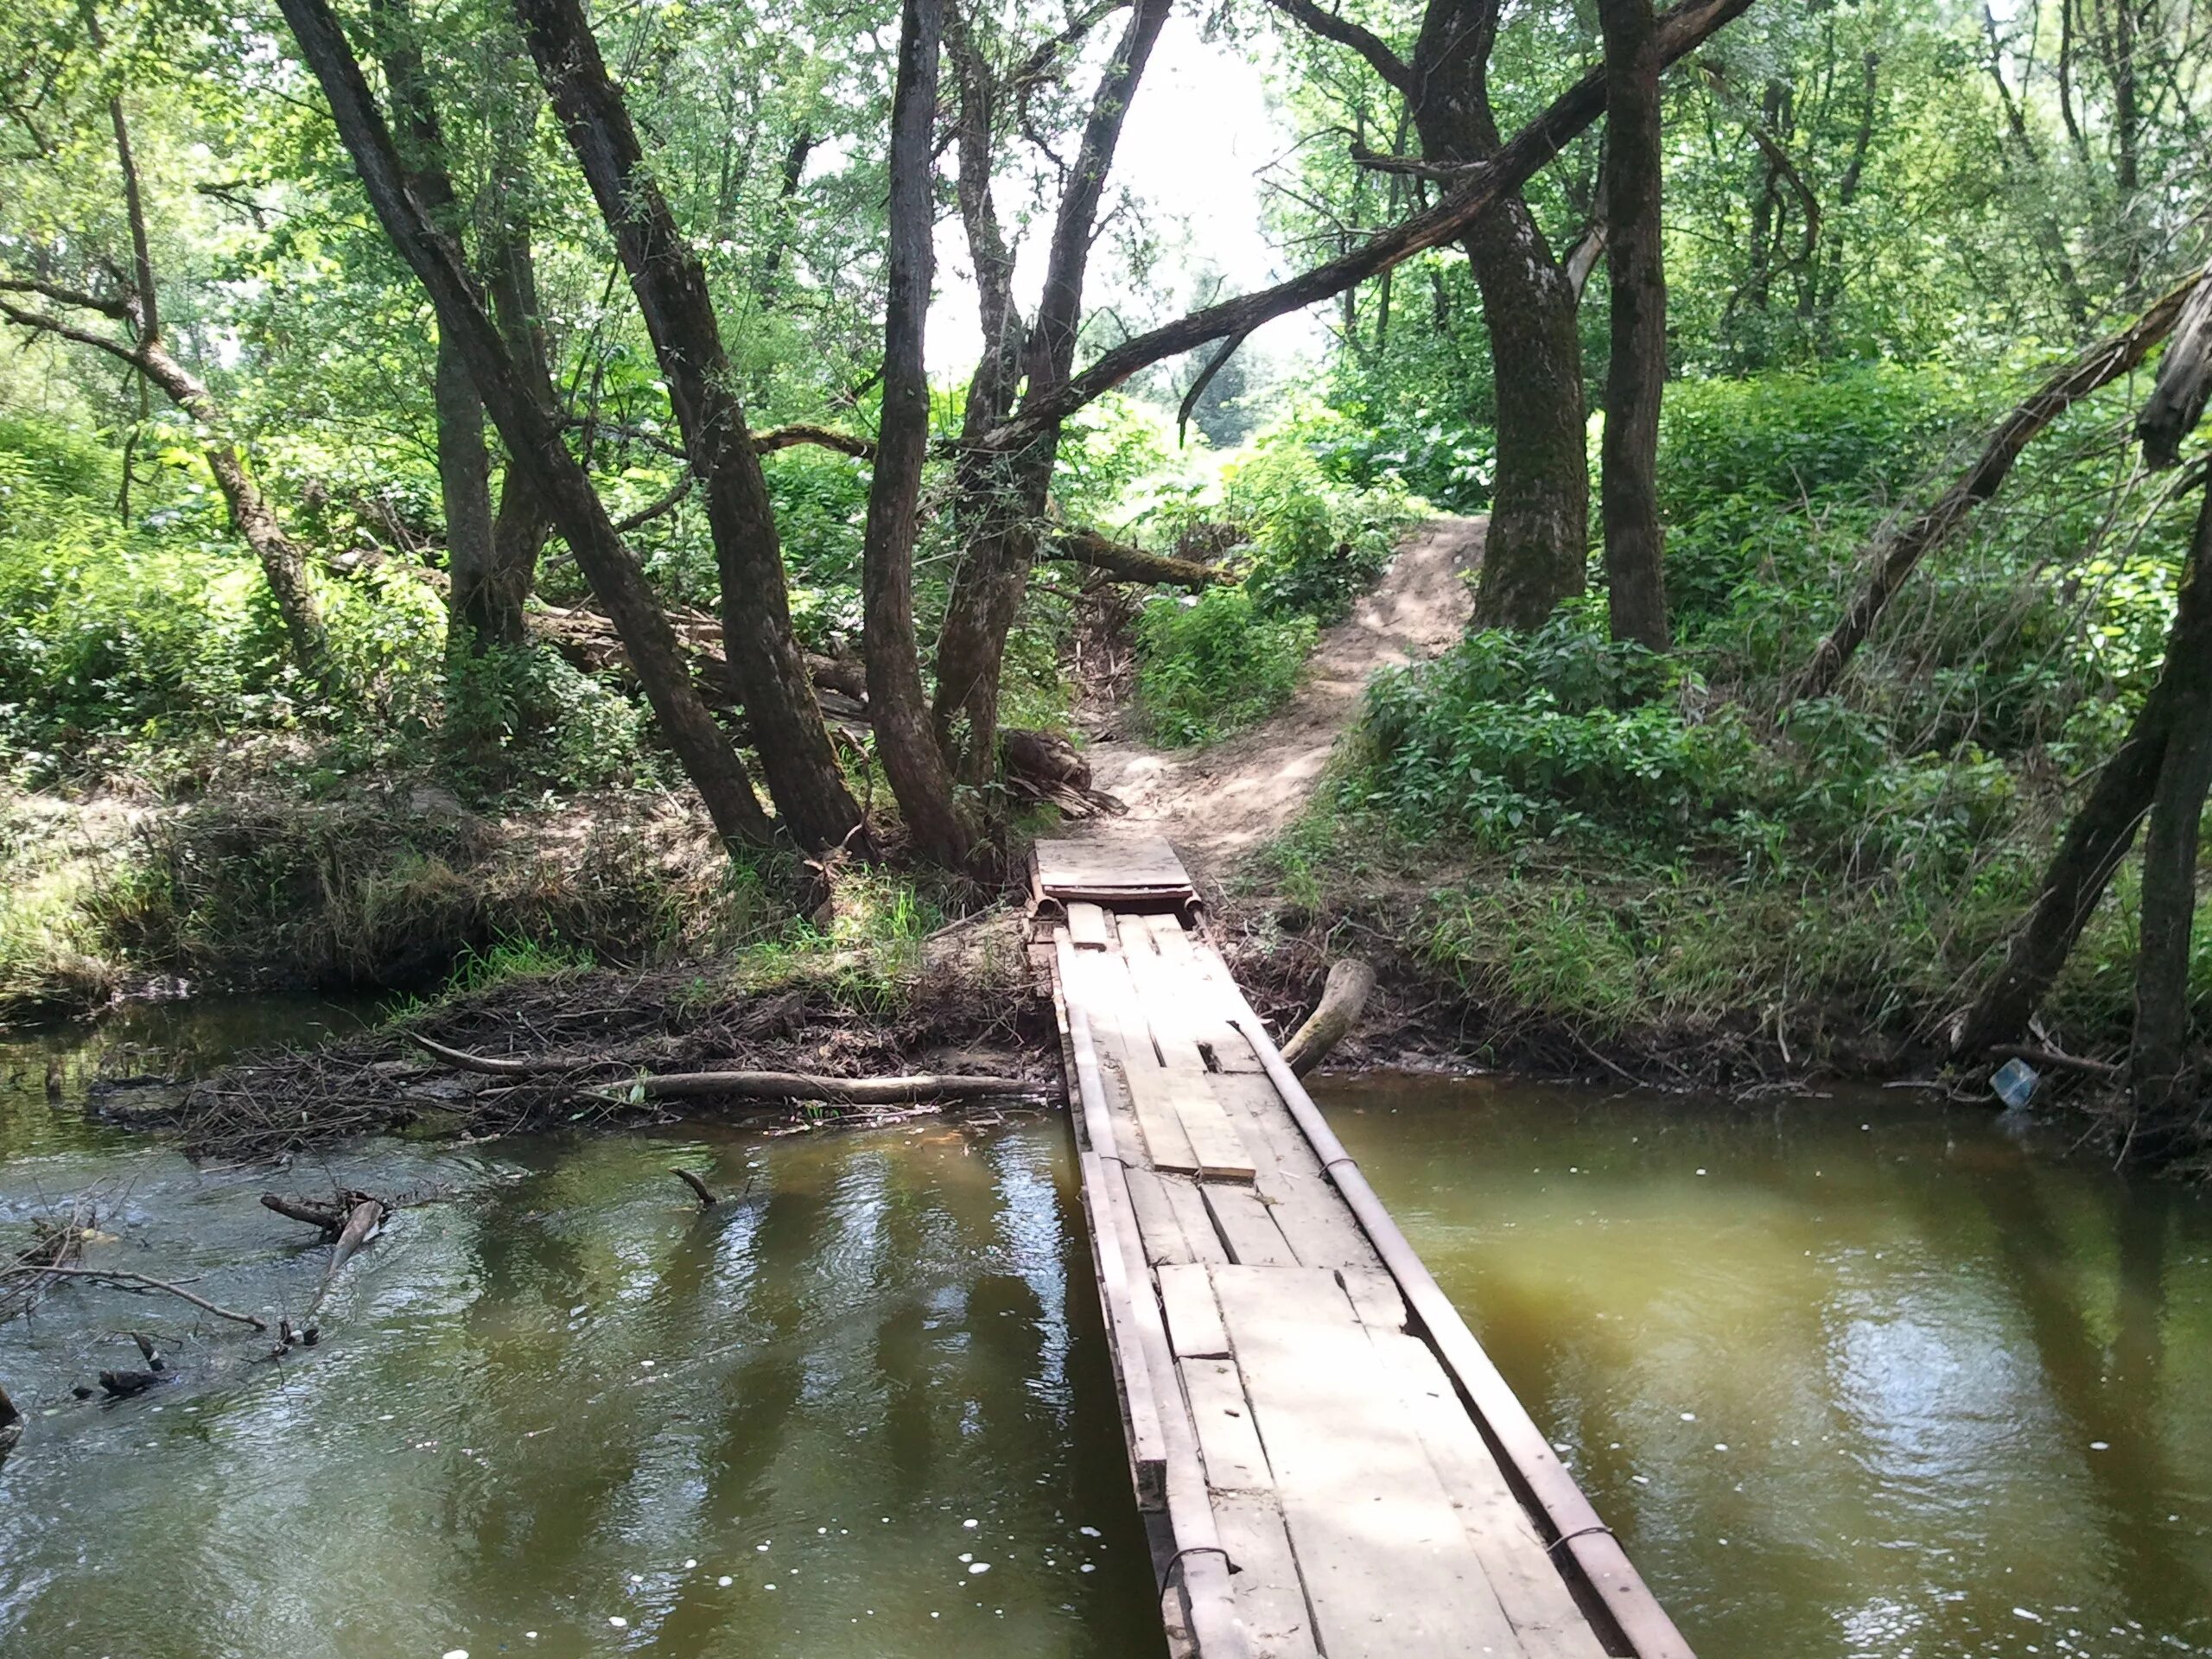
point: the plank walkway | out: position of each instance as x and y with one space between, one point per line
1327 1461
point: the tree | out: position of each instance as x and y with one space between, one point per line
800 763
532 432
1637 374
1533 556
2160 770
124 290
1000 489
912 756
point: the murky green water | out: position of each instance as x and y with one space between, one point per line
861 1408
1906 1390
1850 1378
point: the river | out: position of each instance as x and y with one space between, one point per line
1910 1389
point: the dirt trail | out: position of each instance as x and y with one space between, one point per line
1215 805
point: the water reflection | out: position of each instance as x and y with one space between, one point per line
544 1396
1850 1378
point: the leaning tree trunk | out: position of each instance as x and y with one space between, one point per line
1894 558
2169 899
532 435
2103 830
1636 375
905 739
793 741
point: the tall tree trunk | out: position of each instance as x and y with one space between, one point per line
532 435
796 752
1535 554
1536 551
1003 497
2169 899
1636 376
904 737
2102 831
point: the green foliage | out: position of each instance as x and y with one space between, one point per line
1216 664
1307 545
1316 546
1511 736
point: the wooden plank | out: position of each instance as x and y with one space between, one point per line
1088 983
1227 1442
1126 1043
1137 864
1535 1598
1194 1326
1184 1198
1147 1440
1172 996
1218 1000
1218 1151
1158 1227
1166 1143
1387 1566
1270 1597
1307 1208
1087 927
1248 1227
1374 1296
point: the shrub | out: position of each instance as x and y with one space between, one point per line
1217 664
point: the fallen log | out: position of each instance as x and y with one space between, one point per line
490 1065
846 1091
328 1216
140 1281
705 1193
1128 563
1350 984
359 1225
121 1385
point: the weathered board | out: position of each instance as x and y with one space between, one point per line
1386 1568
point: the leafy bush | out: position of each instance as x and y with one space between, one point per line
1216 666
1316 546
1515 735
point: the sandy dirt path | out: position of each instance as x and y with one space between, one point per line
1215 805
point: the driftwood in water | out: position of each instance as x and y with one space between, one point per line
11 1424
757 1085
1350 983
121 1385
53 1245
706 1194
328 1216
140 1281
360 1225
489 1065
848 1092
149 1352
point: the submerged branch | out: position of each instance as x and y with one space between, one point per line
139 1281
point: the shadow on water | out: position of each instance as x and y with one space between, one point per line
1853 1376
862 1406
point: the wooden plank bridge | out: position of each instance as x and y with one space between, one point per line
1327 1461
